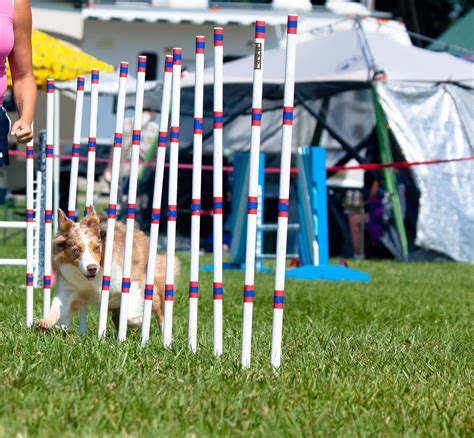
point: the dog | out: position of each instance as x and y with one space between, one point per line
77 261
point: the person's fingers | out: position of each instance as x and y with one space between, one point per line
25 132
20 129
14 129
26 140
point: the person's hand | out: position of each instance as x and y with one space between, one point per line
22 131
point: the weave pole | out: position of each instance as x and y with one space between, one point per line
30 225
252 205
217 187
92 143
56 159
285 165
157 195
48 211
91 151
112 209
196 194
132 198
76 148
172 198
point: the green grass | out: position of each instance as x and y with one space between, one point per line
387 358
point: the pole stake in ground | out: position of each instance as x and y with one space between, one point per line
252 202
172 198
157 195
285 166
196 194
112 209
217 188
132 199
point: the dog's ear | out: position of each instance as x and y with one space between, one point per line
65 224
90 210
91 219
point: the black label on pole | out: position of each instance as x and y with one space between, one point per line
257 65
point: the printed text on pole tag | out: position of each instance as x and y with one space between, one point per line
258 56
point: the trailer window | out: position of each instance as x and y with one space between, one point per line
151 73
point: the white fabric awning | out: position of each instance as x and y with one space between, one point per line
343 56
108 84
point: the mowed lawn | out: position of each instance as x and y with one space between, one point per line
391 357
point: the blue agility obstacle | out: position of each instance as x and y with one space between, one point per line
313 240
238 218
312 225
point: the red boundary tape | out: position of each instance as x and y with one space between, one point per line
294 170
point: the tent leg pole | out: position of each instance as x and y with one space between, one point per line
318 132
389 174
353 153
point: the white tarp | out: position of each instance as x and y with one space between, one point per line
429 123
342 56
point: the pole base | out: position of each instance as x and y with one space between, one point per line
327 272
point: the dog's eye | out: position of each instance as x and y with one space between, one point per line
97 248
76 251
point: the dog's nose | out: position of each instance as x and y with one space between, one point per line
92 269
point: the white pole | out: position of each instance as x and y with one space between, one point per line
282 231
252 208
112 210
196 194
76 147
48 212
92 143
172 198
37 233
30 227
132 198
157 195
217 188
57 160
91 151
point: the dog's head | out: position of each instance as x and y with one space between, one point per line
79 244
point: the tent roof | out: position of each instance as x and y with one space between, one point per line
344 56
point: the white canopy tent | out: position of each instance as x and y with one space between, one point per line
350 56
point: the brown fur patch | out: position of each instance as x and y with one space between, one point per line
67 247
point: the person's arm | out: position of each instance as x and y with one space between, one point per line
24 84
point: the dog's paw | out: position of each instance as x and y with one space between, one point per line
43 325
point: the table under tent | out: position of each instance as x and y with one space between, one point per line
366 92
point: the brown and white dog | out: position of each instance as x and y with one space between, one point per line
77 261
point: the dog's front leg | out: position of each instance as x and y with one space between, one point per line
60 309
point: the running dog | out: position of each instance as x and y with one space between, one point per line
78 257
